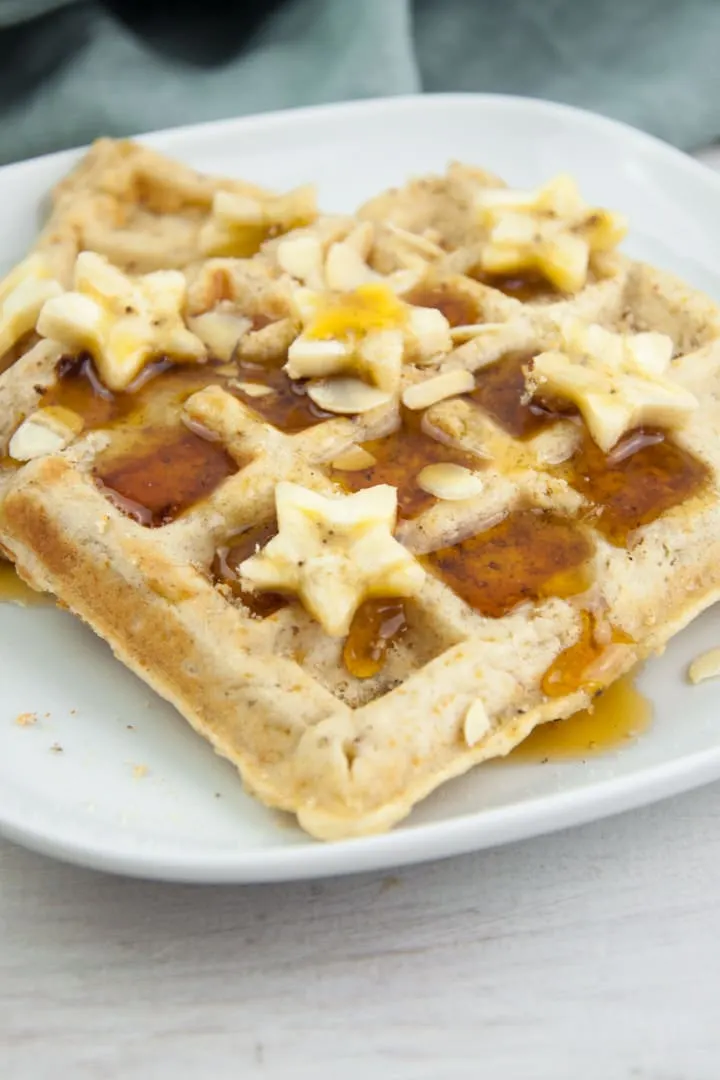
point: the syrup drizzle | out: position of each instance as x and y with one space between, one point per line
617 716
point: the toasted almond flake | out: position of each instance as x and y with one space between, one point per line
705 666
346 396
252 389
419 243
26 719
44 432
610 664
448 481
476 724
466 333
449 384
354 459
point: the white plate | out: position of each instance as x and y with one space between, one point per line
188 817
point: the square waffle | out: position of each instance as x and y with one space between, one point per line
358 572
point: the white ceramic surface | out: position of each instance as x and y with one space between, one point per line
187 818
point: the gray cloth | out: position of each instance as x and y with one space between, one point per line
72 70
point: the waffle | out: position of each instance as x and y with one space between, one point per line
142 210
529 566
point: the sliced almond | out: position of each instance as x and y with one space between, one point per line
220 331
448 384
476 724
45 432
706 666
611 662
252 389
466 333
418 243
309 357
346 396
445 480
354 459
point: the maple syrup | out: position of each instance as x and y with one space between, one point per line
526 288
458 308
500 391
529 555
156 395
399 457
245 241
367 309
376 626
643 476
13 589
288 407
228 558
568 671
155 485
617 716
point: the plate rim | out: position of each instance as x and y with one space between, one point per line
473 831
463 834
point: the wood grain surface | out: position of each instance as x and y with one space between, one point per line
592 954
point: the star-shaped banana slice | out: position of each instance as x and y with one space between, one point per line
124 323
551 231
240 224
365 334
617 381
334 552
22 295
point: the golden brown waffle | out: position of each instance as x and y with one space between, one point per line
142 210
565 568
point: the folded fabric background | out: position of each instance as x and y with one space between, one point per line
75 69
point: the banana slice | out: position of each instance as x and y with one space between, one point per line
551 231
334 552
617 381
124 323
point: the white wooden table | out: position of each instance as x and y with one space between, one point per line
589 955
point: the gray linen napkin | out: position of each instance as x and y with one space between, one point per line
75 69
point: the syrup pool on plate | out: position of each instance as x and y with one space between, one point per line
618 715
13 589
